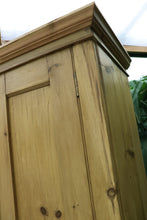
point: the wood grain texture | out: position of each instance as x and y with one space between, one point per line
7 210
54 30
88 16
61 43
124 137
96 137
49 163
27 76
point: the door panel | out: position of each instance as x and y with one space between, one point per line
47 149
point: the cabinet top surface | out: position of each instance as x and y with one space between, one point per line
83 18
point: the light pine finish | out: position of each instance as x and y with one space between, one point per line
7 210
126 148
47 33
68 135
96 137
88 16
49 164
25 77
61 43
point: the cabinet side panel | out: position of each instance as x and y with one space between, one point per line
47 148
124 137
7 210
96 139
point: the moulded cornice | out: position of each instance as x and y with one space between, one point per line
86 17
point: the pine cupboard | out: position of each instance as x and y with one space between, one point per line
69 145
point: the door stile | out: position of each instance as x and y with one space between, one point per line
83 136
7 207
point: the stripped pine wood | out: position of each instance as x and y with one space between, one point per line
7 209
69 145
96 138
27 76
61 43
123 147
88 16
49 164
49 32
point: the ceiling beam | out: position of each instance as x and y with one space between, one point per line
136 51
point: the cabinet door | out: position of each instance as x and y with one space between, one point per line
49 169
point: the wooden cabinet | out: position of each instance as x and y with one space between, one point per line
69 145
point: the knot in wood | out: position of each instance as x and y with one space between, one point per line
111 193
43 211
58 214
130 153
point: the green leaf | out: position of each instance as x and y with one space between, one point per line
139 96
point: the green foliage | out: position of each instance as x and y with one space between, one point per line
139 95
